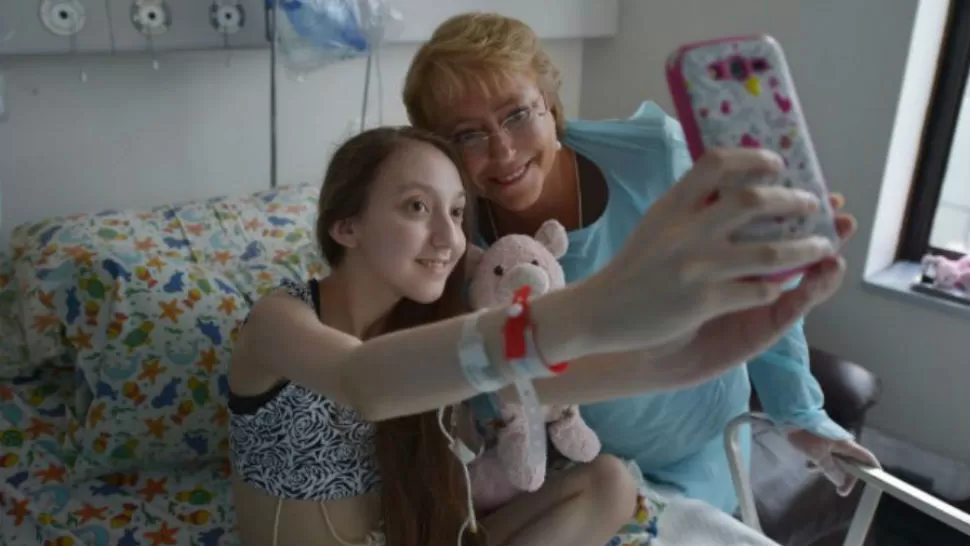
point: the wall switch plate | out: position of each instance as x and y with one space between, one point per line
3 98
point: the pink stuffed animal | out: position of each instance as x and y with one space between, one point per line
947 273
512 262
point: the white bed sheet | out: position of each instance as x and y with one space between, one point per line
689 522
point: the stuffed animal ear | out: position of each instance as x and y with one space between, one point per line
552 235
473 257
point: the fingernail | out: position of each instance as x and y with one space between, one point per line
772 156
808 196
825 244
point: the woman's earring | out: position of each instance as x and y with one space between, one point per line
558 145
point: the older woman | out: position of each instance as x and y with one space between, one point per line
485 82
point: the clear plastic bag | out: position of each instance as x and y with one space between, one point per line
12 19
315 33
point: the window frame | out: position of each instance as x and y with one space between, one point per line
952 71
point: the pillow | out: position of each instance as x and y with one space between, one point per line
255 279
220 233
46 253
152 343
152 340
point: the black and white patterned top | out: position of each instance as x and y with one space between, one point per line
297 444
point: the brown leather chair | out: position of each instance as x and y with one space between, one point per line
798 507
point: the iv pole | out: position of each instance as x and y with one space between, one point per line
271 35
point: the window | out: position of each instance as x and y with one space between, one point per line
938 213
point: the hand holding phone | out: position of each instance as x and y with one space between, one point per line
738 92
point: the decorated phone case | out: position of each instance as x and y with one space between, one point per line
738 92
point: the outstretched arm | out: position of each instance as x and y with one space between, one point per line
417 370
673 273
788 391
397 374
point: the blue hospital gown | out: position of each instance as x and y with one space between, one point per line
676 437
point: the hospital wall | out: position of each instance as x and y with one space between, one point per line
132 136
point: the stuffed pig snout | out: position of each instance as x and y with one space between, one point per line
521 275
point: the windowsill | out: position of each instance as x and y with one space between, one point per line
898 281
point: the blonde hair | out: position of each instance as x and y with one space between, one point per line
477 49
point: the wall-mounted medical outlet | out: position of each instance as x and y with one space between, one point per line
151 17
62 17
227 16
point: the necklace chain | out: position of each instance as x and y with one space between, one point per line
579 199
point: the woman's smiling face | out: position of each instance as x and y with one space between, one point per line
507 137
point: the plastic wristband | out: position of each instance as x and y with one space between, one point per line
535 423
481 373
521 350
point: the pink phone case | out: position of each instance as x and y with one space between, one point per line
738 92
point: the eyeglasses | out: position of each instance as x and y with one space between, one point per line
519 124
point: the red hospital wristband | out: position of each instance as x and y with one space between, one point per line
520 334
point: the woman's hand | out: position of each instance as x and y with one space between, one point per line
823 453
679 271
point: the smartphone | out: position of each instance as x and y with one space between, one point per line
738 92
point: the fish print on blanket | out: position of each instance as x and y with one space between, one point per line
113 429
223 233
151 329
44 502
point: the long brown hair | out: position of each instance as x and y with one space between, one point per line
423 492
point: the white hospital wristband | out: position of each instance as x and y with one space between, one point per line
481 373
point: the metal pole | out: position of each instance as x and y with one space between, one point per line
272 35
739 468
363 106
865 512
